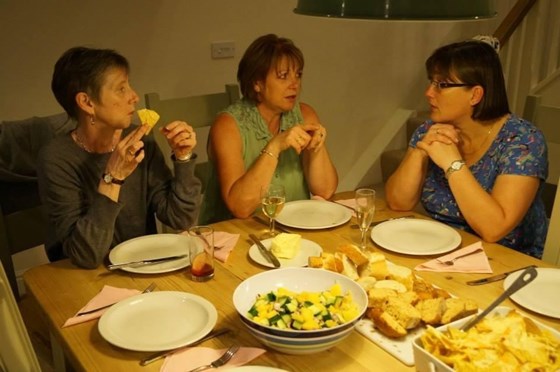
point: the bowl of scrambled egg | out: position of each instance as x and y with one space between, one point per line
299 310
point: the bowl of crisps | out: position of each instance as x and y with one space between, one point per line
503 340
298 310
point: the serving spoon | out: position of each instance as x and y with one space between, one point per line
525 278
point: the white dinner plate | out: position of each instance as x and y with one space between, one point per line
541 295
313 214
157 321
152 246
308 248
256 369
416 237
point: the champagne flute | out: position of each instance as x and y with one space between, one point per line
365 209
273 198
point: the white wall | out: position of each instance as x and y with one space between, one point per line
357 72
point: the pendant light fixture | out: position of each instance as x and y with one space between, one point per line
427 10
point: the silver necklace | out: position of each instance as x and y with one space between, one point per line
81 143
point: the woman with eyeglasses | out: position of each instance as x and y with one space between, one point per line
474 165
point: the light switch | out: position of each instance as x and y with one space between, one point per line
223 49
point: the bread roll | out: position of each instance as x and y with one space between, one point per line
354 253
386 323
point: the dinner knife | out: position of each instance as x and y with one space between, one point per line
495 278
356 226
270 257
163 354
150 261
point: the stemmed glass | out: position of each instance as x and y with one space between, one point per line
365 209
273 198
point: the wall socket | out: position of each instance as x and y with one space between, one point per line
223 49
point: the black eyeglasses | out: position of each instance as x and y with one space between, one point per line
445 84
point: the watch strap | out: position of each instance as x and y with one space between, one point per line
454 167
108 178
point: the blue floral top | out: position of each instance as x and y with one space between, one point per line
519 148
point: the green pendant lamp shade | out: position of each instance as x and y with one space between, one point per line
398 9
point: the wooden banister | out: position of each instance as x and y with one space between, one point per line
512 20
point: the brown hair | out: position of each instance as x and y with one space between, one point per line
258 59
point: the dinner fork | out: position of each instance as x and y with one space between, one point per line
451 262
220 361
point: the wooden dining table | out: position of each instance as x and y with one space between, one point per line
61 289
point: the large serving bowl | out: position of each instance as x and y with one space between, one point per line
297 279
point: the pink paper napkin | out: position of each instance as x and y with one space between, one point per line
225 240
348 202
476 263
192 357
108 295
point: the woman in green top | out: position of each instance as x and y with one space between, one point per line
267 137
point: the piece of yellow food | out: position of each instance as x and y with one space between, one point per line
285 309
508 342
148 117
286 245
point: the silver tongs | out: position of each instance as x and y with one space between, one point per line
525 278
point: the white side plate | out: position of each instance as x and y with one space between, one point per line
308 248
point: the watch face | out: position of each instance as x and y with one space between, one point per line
107 178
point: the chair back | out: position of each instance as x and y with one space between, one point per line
551 252
23 222
199 111
546 118
16 350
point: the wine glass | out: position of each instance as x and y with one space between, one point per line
273 198
365 209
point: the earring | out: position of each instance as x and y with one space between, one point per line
92 120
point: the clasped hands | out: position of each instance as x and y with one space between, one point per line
308 136
130 150
440 143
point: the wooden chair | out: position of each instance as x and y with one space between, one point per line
546 117
551 252
200 112
16 350
23 223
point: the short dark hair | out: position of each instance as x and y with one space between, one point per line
259 57
475 63
82 69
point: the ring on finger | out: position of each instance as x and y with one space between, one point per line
131 151
437 131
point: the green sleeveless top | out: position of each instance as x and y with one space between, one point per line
254 136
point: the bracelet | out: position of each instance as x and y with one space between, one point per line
185 159
265 151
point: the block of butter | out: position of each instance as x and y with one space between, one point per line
286 245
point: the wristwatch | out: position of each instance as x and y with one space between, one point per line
454 167
108 179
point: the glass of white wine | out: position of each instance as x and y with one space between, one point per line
365 209
273 198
